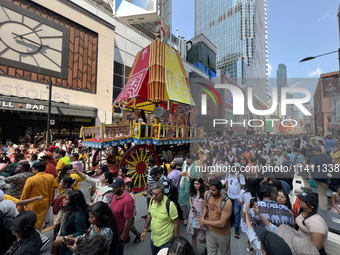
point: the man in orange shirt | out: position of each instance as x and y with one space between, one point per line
52 149
41 184
248 154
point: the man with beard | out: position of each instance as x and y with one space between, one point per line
218 207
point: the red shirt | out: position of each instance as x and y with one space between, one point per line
53 160
50 169
122 208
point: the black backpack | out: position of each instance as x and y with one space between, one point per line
333 182
224 200
167 205
297 143
173 193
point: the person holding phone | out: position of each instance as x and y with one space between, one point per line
249 194
197 190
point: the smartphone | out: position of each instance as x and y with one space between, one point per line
67 241
145 194
252 201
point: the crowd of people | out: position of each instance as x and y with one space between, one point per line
243 183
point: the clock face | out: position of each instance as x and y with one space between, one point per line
35 42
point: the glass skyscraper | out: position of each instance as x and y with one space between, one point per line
238 28
281 79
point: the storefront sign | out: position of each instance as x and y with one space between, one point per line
14 106
8 90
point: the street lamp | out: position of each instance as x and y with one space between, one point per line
310 58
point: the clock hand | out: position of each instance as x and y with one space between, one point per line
21 37
27 33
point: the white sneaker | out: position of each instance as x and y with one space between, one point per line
185 222
44 241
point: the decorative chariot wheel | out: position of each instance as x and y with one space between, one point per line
110 157
135 160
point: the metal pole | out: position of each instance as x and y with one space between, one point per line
48 132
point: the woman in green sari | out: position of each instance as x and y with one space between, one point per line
188 173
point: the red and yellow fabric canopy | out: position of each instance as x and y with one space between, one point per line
157 76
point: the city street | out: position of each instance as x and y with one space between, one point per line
238 246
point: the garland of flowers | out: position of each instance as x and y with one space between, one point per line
123 104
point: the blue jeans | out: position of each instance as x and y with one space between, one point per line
155 249
237 213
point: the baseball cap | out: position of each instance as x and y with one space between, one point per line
316 148
308 197
272 243
117 182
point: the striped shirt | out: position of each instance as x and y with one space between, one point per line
151 182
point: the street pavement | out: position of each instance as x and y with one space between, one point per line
238 246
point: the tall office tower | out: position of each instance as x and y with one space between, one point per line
238 28
281 79
282 82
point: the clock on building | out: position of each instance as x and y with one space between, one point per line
32 42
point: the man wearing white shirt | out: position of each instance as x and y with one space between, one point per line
231 155
234 181
204 149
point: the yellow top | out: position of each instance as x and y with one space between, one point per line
75 185
83 157
8 197
63 162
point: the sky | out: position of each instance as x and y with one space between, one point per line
296 29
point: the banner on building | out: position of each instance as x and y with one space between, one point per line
330 85
269 127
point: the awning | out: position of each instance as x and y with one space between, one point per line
157 76
18 104
334 125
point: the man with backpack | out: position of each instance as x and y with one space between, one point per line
234 183
162 214
319 166
218 207
170 190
